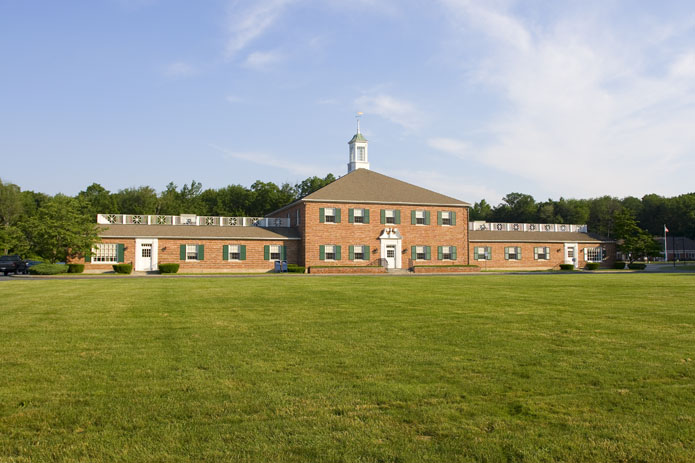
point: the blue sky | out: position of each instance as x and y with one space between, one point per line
474 99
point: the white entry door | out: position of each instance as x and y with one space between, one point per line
572 254
390 256
145 255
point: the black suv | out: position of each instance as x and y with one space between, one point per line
12 264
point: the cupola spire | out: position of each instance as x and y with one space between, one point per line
358 149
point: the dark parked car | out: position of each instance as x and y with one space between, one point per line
12 264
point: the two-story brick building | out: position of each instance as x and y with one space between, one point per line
363 219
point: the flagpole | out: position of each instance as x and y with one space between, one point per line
665 251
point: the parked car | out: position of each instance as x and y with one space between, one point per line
12 264
31 263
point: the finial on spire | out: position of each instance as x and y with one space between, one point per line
358 116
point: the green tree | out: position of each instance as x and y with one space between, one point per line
63 227
312 184
141 200
481 211
98 199
632 240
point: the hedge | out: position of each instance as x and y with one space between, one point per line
444 265
48 269
593 265
291 268
636 266
619 265
123 268
566 266
168 268
75 268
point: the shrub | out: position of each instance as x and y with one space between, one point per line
168 268
593 265
123 268
566 266
636 266
292 268
48 269
75 268
619 265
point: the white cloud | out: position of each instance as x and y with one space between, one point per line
398 111
245 25
263 159
458 148
180 69
584 114
262 60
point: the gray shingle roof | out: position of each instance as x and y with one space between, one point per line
367 186
193 231
534 237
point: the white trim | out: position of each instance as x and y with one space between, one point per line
144 264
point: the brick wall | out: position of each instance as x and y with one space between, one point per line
557 255
169 252
345 234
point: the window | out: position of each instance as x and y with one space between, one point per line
390 216
446 218
146 249
359 252
593 254
329 215
358 215
234 252
191 252
540 253
360 153
446 253
512 253
482 253
419 217
274 252
105 253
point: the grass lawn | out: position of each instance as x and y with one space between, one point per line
532 368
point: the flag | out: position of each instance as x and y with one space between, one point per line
665 229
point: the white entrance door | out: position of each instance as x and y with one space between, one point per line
145 255
390 256
572 254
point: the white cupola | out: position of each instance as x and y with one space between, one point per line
358 150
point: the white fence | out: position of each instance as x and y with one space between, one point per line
192 220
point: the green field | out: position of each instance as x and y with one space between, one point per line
370 369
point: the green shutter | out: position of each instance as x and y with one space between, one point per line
266 252
518 253
547 253
453 253
428 253
322 215
413 219
87 259
453 217
201 252
351 252
337 215
535 253
439 217
337 252
322 252
242 252
427 217
397 214
120 252
475 253
413 252
283 252
440 253
365 214
225 252
351 215
366 252
488 251
506 253
182 252
383 216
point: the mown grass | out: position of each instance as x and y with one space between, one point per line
391 369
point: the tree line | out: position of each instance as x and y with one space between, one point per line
51 227
48 227
650 213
